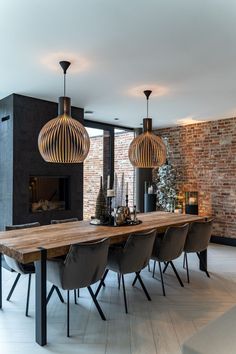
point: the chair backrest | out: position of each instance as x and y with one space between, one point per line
64 220
137 252
85 264
198 237
11 262
172 244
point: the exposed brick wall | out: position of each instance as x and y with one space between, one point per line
204 156
93 169
122 163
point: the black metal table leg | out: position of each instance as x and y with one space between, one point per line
204 258
0 280
41 298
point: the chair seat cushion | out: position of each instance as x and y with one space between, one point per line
218 337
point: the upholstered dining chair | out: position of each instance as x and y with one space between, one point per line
61 221
168 248
84 265
198 238
20 268
131 257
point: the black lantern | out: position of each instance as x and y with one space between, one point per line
191 203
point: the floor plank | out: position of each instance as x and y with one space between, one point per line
156 327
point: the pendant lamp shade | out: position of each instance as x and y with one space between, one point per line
147 150
63 139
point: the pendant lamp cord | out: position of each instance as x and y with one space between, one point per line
64 84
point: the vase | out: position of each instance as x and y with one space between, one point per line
101 208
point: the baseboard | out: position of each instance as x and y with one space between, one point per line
224 240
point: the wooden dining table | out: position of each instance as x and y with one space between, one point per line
43 242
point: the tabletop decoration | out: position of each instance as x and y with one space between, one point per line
110 196
107 212
101 205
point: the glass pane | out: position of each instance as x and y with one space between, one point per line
96 164
93 169
123 169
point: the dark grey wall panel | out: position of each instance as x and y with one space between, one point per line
30 114
6 161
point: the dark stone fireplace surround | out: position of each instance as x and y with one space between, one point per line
21 119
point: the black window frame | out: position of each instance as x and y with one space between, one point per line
111 129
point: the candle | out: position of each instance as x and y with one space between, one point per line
110 193
108 182
115 183
127 188
150 190
192 200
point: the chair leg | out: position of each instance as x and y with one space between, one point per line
28 296
143 286
118 278
54 287
203 264
96 303
59 293
75 297
176 273
184 260
162 281
123 285
68 313
50 293
166 266
13 286
149 269
186 263
135 279
78 292
154 267
101 282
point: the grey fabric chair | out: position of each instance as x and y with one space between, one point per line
20 268
64 220
131 257
168 248
84 265
197 240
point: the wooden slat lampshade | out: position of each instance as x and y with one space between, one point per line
147 150
64 139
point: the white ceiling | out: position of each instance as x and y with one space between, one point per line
187 47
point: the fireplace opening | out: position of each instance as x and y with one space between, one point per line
48 193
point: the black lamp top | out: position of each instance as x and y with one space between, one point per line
65 65
147 93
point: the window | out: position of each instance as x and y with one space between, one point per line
108 154
122 165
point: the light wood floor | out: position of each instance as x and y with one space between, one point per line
159 326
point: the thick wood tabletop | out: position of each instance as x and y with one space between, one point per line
23 245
